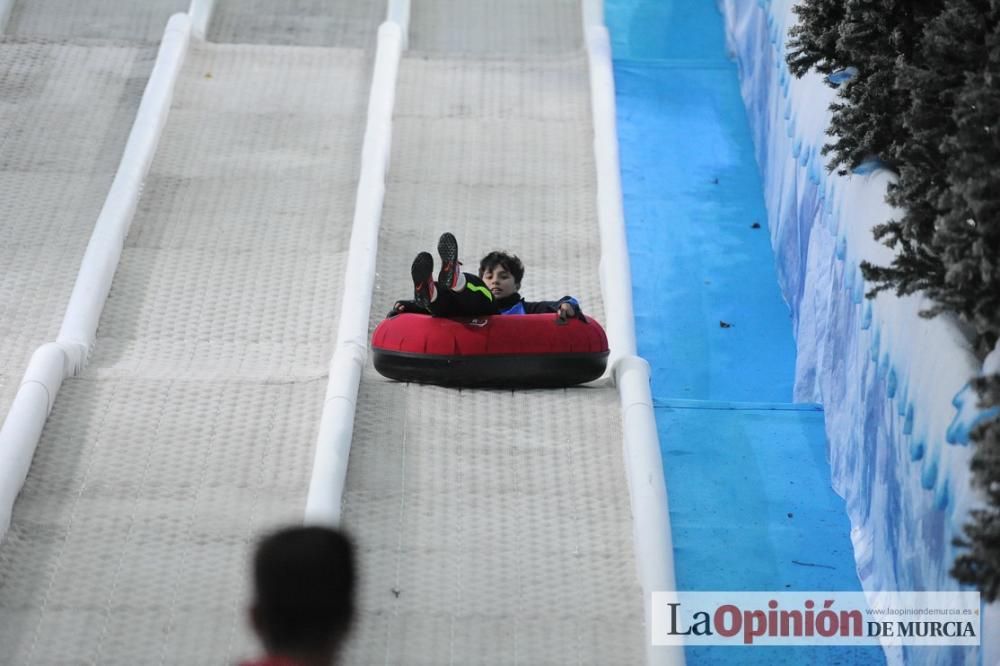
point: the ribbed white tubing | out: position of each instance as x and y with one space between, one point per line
593 15
336 428
399 13
97 269
201 12
643 462
52 362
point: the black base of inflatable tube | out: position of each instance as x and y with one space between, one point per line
535 371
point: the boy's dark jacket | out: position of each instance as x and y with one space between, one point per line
511 305
515 304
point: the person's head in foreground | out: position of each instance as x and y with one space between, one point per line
303 604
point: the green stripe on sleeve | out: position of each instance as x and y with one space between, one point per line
483 290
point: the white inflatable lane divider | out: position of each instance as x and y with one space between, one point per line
100 261
25 420
615 269
52 362
201 12
5 8
593 15
399 13
336 427
641 448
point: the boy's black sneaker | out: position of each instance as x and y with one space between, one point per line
423 285
451 267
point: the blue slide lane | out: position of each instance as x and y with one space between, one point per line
747 474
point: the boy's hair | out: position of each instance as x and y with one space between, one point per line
304 583
509 262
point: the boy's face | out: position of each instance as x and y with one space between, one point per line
499 280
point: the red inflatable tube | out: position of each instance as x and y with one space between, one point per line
506 351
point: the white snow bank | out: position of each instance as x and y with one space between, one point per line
894 386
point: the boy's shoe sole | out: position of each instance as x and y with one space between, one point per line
450 266
420 271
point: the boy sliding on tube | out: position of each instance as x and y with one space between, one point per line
458 294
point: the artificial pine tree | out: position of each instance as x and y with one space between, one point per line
877 38
968 238
926 102
874 38
980 564
953 45
967 235
813 42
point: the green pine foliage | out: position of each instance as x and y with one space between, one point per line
813 42
937 230
967 236
979 565
926 83
875 38
926 102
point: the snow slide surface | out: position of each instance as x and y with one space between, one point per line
494 525
130 20
64 118
192 429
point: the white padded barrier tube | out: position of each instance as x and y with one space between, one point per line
336 428
616 281
593 14
6 6
201 12
68 355
25 421
100 261
399 13
641 448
